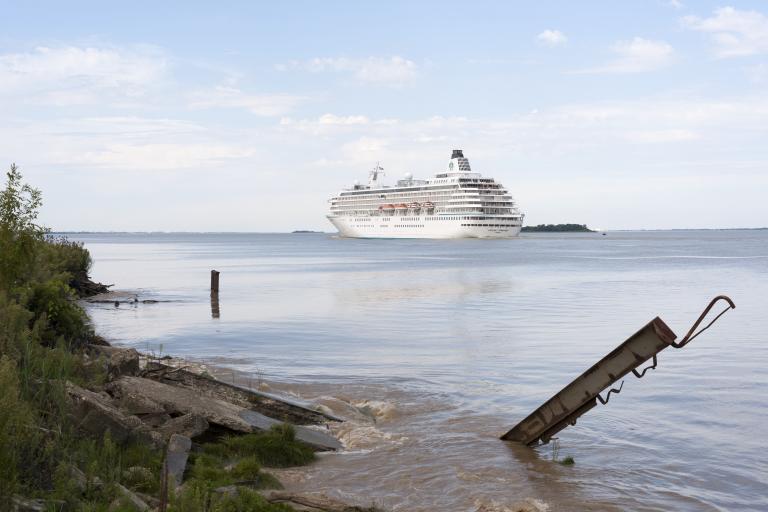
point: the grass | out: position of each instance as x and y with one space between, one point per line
566 461
276 447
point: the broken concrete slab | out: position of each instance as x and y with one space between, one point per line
176 458
183 400
120 361
129 498
95 415
278 407
190 425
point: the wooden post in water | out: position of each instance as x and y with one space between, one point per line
215 311
215 282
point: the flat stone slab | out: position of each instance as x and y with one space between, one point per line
184 400
176 457
282 408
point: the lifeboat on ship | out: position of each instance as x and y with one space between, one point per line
414 206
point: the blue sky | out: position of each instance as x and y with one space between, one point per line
247 116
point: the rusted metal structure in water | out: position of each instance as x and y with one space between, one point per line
583 393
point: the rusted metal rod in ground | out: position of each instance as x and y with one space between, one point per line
583 393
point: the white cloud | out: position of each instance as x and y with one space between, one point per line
552 38
637 55
165 156
661 136
378 70
342 120
78 75
735 33
231 97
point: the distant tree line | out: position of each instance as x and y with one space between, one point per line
557 228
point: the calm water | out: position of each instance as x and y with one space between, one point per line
450 343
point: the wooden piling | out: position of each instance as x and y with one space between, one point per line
214 282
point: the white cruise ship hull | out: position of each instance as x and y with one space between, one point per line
423 227
456 203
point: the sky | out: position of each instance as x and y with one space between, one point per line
249 116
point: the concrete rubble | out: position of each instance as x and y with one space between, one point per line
169 408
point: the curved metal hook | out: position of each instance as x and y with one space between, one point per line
608 396
690 336
639 375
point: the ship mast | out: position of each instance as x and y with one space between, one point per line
373 175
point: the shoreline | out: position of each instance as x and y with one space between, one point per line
358 430
128 363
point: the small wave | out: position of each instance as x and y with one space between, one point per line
377 409
356 437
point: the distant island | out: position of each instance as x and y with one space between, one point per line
304 231
557 228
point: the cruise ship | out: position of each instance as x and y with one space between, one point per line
457 203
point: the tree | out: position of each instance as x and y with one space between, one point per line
19 232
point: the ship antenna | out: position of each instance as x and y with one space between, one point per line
374 174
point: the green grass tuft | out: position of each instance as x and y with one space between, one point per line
277 447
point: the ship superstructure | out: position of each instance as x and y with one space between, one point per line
457 203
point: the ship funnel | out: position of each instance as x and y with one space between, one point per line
458 163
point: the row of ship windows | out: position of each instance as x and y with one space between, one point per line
387 219
394 226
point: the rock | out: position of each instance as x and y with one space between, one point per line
137 475
156 420
176 458
138 404
182 400
149 437
19 504
190 425
81 481
95 415
128 498
120 361
123 362
149 500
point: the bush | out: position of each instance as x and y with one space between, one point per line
53 302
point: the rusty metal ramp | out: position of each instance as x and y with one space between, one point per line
583 393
